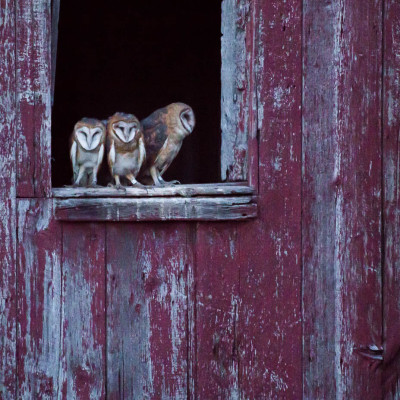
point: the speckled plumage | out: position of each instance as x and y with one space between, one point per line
164 131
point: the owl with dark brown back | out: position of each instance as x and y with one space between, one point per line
164 131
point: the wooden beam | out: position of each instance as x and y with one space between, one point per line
156 209
219 189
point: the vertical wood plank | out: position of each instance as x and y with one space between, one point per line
147 311
270 347
342 199
39 300
391 165
83 312
55 17
237 88
7 201
33 49
129 373
217 312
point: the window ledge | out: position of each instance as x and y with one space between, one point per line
208 202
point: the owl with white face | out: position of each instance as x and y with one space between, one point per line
126 151
87 151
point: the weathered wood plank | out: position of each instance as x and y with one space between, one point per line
7 201
391 171
217 312
165 277
156 209
147 311
129 368
33 97
270 346
55 16
237 89
220 189
83 312
342 294
39 300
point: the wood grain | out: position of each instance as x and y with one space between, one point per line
269 254
156 209
147 311
7 201
33 32
217 312
83 312
129 367
391 171
342 293
220 189
39 300
237 89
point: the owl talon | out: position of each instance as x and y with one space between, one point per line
120 187
169 184
139 185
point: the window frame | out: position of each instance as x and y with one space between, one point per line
36 49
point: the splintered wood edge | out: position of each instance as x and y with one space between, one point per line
156 209
220 189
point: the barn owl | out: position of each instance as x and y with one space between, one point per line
126 150
87 151
164 131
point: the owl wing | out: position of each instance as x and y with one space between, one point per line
73 153
111 156
100 156
155 135
142 152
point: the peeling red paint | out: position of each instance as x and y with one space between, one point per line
287 305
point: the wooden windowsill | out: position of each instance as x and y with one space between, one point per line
208 202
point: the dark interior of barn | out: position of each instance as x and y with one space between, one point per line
136 57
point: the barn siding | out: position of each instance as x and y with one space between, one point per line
391 170
7 201
270 248
342 189
300 303
39 300
33 77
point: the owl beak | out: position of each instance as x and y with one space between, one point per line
89 140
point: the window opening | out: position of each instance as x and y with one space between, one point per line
136 57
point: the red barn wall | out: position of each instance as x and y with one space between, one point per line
302 302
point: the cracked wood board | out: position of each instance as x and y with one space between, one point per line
342 189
